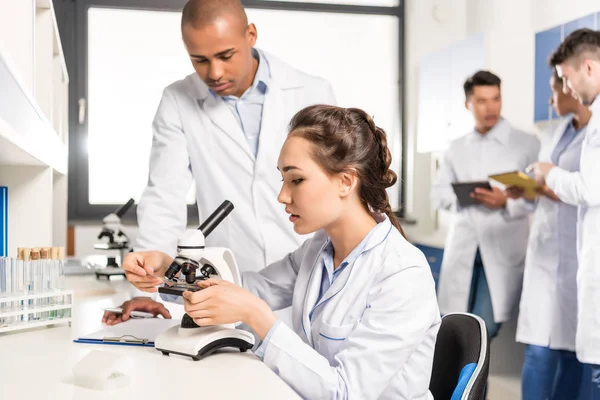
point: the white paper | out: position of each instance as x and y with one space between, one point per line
147 328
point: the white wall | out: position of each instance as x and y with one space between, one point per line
425 34
509 28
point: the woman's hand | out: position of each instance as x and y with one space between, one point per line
222 302
143 267
514 192
546 191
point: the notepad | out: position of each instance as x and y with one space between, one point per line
135 332
519 179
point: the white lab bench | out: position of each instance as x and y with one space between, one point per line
38 364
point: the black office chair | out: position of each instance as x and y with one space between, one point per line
461 360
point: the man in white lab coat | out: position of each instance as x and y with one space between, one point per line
223 128
577 62
482 268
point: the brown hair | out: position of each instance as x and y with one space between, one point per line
347 138
577 43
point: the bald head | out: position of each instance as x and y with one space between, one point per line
200 13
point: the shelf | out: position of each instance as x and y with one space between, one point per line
26 135
36 324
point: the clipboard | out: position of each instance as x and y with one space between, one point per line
134 332
519 179
463 192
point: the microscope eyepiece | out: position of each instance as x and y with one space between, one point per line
124 208
216 217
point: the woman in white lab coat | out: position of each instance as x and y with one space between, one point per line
548 311
365 315
578 64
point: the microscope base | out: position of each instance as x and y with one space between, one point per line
198 343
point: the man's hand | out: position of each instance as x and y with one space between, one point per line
540 170
136 304
140 268
493 199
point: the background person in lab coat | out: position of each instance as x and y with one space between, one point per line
548 311
482 268
577 62
363 298
223 127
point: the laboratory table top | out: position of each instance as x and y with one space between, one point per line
38 364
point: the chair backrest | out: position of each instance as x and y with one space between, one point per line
461 359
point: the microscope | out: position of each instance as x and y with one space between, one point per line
117 240
196 263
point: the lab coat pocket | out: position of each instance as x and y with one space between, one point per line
332 337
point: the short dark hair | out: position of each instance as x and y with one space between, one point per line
481 78
578 42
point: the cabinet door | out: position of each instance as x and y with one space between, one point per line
545 43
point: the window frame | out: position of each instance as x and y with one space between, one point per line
73 25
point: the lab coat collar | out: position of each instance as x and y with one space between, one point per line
280 75
328 253
376 237
595 106
500 132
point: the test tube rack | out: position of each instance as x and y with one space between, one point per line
26 311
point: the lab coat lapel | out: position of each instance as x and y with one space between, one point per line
221 116
378 237
577 140
272 127
312 294
560 131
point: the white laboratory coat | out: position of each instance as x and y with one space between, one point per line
197 137
583 188
373 333
501 235
548 310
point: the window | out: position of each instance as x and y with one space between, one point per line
355 44
348 50
379 3
136 58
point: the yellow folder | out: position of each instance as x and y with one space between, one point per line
519 179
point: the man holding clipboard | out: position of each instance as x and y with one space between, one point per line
482 269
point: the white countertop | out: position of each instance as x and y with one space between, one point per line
38 364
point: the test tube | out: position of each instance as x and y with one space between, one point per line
54 279
61 281
19 279
44 261
61 267
37 277
27 273
27 278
